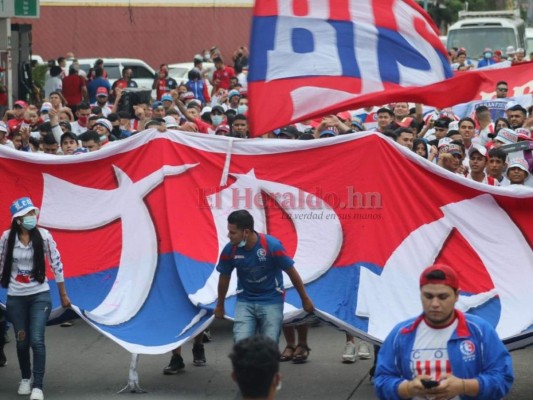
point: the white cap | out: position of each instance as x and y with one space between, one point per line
170 121
480 149
518 163
454 126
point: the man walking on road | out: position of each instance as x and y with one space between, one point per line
259 260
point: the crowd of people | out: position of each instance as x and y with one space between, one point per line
84 112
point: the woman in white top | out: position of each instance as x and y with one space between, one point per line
23 249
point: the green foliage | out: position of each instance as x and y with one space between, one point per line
38 74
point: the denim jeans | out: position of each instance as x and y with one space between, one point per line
29 314
256 318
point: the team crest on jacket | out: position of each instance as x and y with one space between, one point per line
468 349
261 254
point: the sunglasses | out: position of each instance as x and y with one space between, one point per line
503 89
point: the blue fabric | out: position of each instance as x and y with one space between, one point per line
29 314
490 363
260 319
93 85
259 270
197 87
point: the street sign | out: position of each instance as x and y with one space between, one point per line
26 8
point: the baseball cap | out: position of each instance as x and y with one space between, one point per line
3 127
46 106
509 50
356 121
167 97
217 109
450 276
21 103
157 104
506 136
222 129
187 96
289 131
21 207
194 103
518 163
170 121
233 93
330 130
444 142
205 110
345 115
101 91
480 149
105 123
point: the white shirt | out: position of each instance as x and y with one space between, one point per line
430 352
21 282
77 128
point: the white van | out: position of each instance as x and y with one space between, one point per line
143 74
477 30
529 40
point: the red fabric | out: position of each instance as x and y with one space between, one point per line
72 89
223 76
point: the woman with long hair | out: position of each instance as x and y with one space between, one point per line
23 249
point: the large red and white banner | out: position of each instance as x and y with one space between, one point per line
140 225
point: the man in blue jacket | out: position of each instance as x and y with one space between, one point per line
443 354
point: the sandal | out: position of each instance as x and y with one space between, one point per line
287 354
300 354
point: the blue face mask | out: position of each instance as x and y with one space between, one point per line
29 222
216 119
242 109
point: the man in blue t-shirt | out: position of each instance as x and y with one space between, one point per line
259 260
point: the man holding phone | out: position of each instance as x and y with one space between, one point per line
443 353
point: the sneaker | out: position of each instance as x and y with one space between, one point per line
176 365
37 394
24 387
363 352
198 355
3 359
207 336
348 355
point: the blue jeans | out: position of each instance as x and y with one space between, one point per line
29 314
256 318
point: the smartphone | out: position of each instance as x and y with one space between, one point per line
429 383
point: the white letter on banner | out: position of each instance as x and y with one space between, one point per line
284 62
406 27
366 45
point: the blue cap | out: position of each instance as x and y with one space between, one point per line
166 97
21 207
156 104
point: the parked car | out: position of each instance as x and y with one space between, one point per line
143 74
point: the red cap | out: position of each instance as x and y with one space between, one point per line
21 103
450 276
345 115
101 90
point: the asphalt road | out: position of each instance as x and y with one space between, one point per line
82 364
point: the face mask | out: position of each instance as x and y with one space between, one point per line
488 55
216 119
242 243
83 120
29 222
242 109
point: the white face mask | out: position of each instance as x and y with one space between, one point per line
242 243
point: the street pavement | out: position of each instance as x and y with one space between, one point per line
83 364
